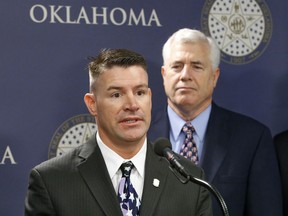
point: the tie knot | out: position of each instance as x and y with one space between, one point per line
126 168
188 128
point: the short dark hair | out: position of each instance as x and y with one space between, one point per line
108 58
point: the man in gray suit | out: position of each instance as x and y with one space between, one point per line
85 180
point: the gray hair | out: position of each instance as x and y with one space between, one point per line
186 35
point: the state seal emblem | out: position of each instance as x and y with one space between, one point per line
72 133
242 29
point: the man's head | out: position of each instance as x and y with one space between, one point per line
120 99
109 58
190 71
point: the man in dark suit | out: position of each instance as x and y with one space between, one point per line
235 151
281 145
88 180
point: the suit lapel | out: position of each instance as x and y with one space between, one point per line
94 172
216 143
154 171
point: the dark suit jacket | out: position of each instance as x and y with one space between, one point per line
281 145
78 184
238 159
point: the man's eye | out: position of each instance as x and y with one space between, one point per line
176 67
116 95
142 92
198 67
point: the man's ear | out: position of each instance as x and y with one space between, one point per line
163 71
216 76
90 102
150 92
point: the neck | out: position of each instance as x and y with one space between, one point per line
127 149
188 113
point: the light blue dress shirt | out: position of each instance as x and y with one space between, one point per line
177 136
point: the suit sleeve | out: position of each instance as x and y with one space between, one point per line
37 200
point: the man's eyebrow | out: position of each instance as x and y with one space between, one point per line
141 86
135 87
177 62
114 88
181 62
197 62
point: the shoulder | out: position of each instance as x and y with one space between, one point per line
62 162
159 126
69 160
159 114
235 119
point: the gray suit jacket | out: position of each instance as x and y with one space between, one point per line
78 183
238 159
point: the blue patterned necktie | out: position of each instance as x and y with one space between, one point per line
127 196
189 148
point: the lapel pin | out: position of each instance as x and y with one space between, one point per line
156 183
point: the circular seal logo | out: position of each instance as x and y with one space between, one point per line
72 133
242 29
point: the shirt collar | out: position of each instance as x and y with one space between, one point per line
176 123
199 123
113 161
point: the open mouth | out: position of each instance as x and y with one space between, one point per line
130 120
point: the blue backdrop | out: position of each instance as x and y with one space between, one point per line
44 47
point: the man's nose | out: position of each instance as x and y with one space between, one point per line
186 73
131 102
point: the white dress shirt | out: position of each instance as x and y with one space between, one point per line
113 162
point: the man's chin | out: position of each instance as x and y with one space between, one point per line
185 101
134 137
